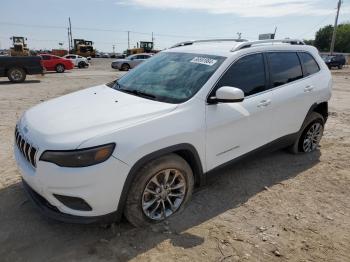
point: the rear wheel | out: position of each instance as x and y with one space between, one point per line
310 136
125 67
60 68
81 64
340 66
16 75
161 189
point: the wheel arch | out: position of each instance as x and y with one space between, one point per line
186 151
322 109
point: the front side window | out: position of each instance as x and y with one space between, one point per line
170 77
46 57
284 67
310 66
247 74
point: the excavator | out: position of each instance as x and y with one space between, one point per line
83 48
19 47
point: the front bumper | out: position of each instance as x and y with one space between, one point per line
100 186
52 212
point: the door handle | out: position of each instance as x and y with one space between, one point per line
264 103
308 88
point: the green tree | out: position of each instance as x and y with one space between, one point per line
324 36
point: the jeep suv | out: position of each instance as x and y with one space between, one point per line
139 145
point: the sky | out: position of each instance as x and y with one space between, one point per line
106 22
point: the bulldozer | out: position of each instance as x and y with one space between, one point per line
19 47
83 48
142 47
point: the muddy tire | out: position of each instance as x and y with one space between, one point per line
310 135
16 75
161 189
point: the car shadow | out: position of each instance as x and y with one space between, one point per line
26 235
23 83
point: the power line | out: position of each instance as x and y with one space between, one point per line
316 26
106 30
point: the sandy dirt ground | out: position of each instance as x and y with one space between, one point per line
270 207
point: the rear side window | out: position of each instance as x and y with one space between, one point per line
284 67
247 74
310 66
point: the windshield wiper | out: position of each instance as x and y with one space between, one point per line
137 93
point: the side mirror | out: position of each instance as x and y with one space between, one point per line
227 94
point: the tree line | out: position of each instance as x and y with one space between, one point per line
324 36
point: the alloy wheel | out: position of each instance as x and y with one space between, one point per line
312 137
164 194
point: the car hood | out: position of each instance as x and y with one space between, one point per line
68 121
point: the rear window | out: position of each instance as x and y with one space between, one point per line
310 66
284 67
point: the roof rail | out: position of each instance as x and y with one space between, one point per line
208 41
269 41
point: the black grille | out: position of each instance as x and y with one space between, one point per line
27 150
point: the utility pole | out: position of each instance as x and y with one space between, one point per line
70 30
153 40
274 34
128 39
335 28
68 40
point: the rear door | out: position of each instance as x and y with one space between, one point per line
234 129
290 92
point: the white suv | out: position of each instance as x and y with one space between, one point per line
138 146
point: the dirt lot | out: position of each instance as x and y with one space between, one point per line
272 207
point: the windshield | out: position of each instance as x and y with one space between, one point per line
170 77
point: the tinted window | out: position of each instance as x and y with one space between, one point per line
247 74
46 57
284 68
309 64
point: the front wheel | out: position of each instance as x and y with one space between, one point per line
310 136
161 189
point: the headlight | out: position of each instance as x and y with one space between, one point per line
80 157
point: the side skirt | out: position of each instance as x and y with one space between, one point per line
270 147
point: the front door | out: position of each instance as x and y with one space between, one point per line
233 129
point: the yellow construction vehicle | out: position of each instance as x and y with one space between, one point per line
83 48
142 47
19 47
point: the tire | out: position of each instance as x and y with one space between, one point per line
340 66
139 209
16 75
309 134
60 68
81 65
125 67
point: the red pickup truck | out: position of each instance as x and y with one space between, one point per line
56 63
